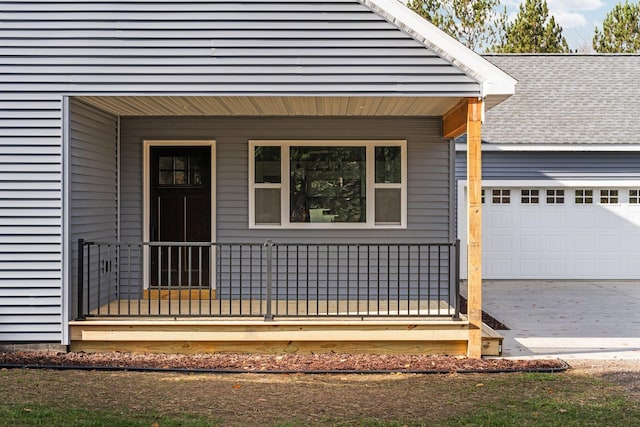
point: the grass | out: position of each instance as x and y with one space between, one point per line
77 398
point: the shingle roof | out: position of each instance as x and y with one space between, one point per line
568 99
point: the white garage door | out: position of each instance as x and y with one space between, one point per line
565 232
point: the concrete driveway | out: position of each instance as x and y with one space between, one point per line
567 319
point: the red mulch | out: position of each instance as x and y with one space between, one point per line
331 362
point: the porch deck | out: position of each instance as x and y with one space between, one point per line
186 306
202 329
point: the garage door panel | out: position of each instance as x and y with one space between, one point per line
561 240
554 243
610 244
530 244
584 243
553 267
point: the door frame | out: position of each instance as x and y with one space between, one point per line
146 197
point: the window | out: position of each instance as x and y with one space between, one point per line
584 197
608 197
482 196
501 196
555 197
319 184
634 197
180 171
530 197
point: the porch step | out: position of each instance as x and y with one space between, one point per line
491 342
431 336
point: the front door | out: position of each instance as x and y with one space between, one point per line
180 211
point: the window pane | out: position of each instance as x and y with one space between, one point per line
181 163
166 178
267 165
267 206
328 184
388 165
166 163
388 205
180 178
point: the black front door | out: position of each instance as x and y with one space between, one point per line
180 212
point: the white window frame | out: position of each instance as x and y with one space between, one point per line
284 184
503 196
607 199
634 199
530 197
584 198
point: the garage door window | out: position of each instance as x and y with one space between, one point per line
608 197
530 197
555 197
584 197
634 197
501 196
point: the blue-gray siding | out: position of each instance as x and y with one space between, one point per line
49 50
427 174
246 47
93 188
532 165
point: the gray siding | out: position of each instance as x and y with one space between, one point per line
428 173
93 190
30 218
554 165
305 47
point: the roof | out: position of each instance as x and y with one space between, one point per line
567 99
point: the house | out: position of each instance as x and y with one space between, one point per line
561 170
211 176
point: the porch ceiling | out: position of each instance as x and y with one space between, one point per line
271 105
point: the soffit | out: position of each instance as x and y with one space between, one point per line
271 106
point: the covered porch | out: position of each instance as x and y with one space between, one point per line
386 290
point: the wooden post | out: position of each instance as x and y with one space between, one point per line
474 227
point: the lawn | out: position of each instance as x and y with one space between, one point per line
90 398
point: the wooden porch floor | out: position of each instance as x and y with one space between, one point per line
201 326
189 307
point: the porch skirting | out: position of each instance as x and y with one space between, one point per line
376 336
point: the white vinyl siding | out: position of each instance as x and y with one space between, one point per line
30 218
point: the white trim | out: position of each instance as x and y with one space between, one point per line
494 80
370 183
66 267
146 206
461 146
512 183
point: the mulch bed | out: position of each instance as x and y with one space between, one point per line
263 363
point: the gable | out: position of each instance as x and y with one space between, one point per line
249 48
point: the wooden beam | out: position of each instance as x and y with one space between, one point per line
474 226
454 122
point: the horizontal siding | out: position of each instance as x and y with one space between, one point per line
30 217
428 172
214 48
93 181
555 165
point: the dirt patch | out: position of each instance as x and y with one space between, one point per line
279 363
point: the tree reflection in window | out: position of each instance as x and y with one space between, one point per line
328 184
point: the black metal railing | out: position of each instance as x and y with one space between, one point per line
267 280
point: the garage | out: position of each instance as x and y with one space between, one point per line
554 230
